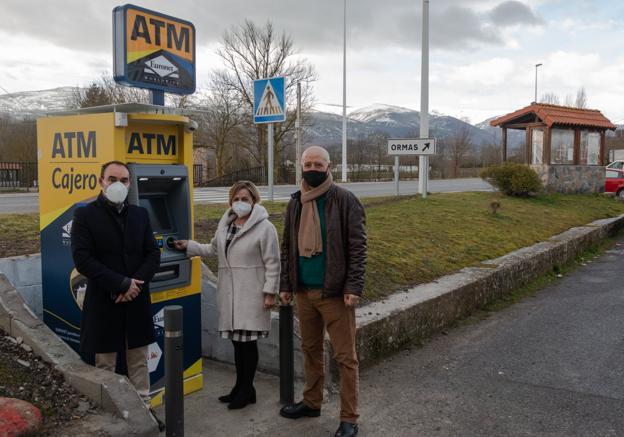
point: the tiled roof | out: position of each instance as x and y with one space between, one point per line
559 115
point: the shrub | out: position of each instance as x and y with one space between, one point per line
513 179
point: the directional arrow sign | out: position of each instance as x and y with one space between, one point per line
406 146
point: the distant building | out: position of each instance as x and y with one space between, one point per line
565 145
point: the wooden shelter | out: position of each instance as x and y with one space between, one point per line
565 145
558 134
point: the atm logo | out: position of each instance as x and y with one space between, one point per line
152 144
154 31
74 145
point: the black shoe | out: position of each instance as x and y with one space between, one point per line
241 401
295 411
346 429
229 398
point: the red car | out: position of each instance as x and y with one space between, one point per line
614 182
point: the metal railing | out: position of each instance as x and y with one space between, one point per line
198 174
286 175
18 175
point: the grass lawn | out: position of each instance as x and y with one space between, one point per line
411 240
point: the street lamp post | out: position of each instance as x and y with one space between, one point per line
536 65
344 95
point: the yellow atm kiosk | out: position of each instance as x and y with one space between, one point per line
157 145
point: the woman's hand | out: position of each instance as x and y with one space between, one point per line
269 301
180 244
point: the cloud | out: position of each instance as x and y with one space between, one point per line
489 73
512 12
315 26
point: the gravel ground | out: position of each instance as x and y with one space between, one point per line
25 376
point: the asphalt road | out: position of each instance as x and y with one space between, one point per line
29 202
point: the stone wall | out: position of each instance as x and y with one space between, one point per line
24 272
571 179
204 157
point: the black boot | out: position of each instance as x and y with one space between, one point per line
237 362
247 393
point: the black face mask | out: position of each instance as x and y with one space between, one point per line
314 178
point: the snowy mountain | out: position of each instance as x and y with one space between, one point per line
394 121
32 104
325 128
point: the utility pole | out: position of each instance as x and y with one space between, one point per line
423 161
344 96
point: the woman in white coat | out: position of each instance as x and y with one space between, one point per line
249 269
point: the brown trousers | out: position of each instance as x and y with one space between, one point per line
138 372
315 315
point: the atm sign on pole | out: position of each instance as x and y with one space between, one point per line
406 146
153 50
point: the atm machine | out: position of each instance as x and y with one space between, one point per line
157 146
163 190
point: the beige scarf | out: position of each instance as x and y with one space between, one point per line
310 239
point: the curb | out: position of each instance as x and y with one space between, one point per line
387 326
112 392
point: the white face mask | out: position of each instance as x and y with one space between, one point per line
116 192
241 209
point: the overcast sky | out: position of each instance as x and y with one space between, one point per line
483 52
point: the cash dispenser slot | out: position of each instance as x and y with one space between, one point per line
165 273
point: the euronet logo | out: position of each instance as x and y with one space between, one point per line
162 67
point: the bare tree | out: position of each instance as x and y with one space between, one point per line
105 91
251 52
459 145
218 128
579 102
581 98
550 98
18 140
491 154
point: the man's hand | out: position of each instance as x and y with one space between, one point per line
269 301
132 293
285 297
351 300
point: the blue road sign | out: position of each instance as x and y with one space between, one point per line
269 100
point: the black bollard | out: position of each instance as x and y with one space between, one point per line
287 355
174 368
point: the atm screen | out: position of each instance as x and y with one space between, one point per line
157 209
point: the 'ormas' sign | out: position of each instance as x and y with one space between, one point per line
406 146
153 50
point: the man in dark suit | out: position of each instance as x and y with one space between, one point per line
114 248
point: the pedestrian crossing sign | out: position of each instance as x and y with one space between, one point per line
269 100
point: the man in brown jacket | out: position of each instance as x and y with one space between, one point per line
323 263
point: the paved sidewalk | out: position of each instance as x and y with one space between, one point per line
551 365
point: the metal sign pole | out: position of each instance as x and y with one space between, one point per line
270 151
396 174
423 162
157 97
298 132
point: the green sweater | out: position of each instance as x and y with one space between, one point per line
312 270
